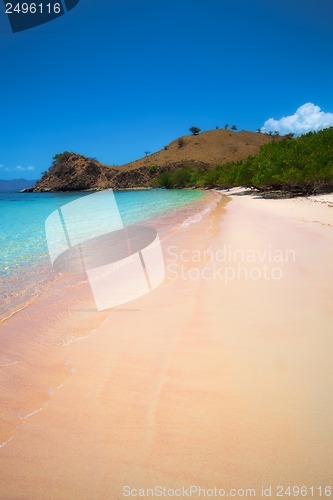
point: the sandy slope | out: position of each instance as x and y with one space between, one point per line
212 147
214 380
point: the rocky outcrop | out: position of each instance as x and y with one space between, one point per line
79 173
73 172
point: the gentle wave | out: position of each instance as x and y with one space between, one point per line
5 365
28 415
199 216
2 445
192 219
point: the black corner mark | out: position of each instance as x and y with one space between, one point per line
70 4
28 14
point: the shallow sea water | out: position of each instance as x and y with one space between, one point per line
25 268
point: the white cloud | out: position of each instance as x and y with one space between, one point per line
306 119
20 168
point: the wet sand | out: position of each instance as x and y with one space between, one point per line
221 377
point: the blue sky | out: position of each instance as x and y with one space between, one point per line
113 79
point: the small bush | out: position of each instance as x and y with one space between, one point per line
164 180
195 130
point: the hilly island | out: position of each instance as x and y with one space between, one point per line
215 158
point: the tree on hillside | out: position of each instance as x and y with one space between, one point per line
60 158
289 136
147 153
226 126
259 130
234 127
195 130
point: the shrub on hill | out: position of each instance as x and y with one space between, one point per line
304 164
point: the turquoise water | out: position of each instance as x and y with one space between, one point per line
23 215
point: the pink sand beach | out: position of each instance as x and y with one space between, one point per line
220 378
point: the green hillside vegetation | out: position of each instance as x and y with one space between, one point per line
302 165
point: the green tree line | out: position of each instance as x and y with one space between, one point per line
303 164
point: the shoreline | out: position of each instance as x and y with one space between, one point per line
200 382
39 276
36 332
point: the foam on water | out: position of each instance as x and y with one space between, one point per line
199 216
31 414
2 445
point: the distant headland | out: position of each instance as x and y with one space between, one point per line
215 158
74 172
